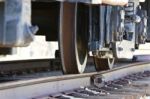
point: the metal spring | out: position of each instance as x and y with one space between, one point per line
129 9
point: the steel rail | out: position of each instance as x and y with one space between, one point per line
48 85
22 65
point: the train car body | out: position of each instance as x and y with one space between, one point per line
104 29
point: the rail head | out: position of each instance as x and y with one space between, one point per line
109 74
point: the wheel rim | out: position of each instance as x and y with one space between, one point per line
104 64
71 40
111 62
81 41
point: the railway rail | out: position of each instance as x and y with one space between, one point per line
35 65
130 81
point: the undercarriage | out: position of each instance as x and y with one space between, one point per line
106 30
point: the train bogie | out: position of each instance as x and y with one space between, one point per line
103 29
113 32
94 35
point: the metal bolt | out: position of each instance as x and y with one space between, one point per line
120 49
132 49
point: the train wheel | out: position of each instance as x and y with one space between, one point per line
104 64
72 39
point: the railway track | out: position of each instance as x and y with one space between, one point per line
14 70
36 68
19 67
130 81
31 65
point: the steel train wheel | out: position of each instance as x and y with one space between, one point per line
72 39
103 64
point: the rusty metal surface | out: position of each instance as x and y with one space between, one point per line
103 64
66 37
72 42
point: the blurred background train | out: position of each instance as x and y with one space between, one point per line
106 30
